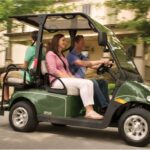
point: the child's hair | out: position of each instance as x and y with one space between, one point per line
34 36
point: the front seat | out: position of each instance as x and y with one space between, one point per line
59 85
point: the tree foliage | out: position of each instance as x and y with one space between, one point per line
21 7
141 21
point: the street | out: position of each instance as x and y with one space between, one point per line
47 136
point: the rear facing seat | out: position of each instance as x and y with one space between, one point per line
70 91
14 81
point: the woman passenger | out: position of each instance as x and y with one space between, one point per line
57 65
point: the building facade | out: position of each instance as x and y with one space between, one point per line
97 10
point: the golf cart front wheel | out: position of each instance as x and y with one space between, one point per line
22 117
134 127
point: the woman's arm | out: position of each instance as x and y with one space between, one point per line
63 74
25 65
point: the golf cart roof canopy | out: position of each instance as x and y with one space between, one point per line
61 21
73 22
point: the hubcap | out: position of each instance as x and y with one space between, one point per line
20 117
135 127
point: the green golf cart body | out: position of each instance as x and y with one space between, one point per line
130 104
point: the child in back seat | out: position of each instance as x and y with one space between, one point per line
28 64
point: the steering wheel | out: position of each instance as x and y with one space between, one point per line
103 68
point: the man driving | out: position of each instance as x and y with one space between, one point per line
78 64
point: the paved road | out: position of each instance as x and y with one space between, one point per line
50 137
47 136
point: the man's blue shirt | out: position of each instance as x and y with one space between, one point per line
78 71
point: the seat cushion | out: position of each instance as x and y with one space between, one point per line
58 84
16 77
73 91
15 80
70 90
43 67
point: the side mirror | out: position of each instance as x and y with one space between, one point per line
102 39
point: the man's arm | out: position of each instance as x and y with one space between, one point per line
107 62
87 63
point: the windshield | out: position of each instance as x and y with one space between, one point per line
118 50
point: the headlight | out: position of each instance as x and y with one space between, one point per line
148 98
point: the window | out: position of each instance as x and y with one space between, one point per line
86 9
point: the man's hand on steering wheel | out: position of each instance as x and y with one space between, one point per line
107 62
105 66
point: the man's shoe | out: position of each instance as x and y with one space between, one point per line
102 111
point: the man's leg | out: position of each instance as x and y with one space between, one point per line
99 97
103 85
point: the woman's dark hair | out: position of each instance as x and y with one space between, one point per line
55 42
48 46
34 36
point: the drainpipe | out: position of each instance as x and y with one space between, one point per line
8 58
139 57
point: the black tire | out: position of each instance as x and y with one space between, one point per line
138 120
30 122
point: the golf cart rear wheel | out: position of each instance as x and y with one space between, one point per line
22 117
134 127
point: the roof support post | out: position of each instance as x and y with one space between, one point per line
38 55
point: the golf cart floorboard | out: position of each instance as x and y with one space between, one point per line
76 121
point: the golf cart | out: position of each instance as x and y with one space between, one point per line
36 101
